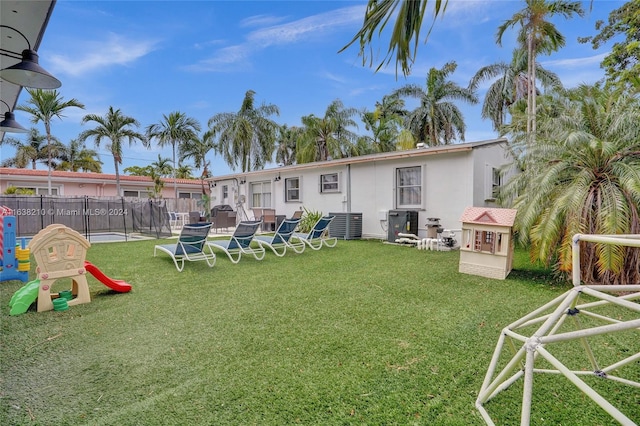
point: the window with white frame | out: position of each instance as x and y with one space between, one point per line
260 193
493 182
196 195
136 193
225 191
409 187
40 190
496 182
330 182
292 189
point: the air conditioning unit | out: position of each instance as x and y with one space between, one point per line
346 226
401 222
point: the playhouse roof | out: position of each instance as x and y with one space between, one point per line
489 216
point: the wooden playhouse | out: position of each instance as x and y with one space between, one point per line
487 242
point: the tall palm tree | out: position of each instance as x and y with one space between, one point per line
175 129
385 123
77 157
329 136
43 106
116 128
437 120
32 150
511 84
197 150
286 144
538 35
246 138
581 176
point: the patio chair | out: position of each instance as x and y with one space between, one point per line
279 242
191 246
297 214
268 220
317 237
240 242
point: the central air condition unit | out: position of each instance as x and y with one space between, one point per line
346 226
401 222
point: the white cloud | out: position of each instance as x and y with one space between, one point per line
116 50
575 63
292 32
261 20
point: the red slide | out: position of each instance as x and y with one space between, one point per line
116 285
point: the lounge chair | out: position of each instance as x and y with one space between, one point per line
191 246
240 242
279 242
317 237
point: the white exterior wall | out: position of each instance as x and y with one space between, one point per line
452 181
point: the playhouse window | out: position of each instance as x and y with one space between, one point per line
484 241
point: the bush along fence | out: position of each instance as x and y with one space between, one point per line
89 215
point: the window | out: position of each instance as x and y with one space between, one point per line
196 195
496 182
39 190
260 193
484 241
292 189
493 182
329 183
136 193
409 187
225 191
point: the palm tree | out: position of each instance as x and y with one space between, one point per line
286 144
406 30
31 151
175 129
539 36
437 120
43 106
197 150
77 156
581 176
327 137
510 86
162 166
385 123
184 172
116 128
246 138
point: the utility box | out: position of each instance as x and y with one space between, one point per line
401 221
346 226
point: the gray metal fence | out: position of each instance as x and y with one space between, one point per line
88 215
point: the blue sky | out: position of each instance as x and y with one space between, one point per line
150 58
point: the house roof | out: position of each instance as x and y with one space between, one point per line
411 153
85 177
489 216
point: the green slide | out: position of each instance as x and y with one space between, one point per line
24 297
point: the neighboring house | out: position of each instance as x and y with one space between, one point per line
94 184
437 182
487 242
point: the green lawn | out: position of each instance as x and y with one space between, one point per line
363 333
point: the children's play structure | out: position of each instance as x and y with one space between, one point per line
487 242
60 253
534 340
14 258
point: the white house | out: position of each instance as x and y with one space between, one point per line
437 182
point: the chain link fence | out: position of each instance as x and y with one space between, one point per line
89 215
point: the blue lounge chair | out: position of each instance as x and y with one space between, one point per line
240 242
191 246
317 237
279 242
